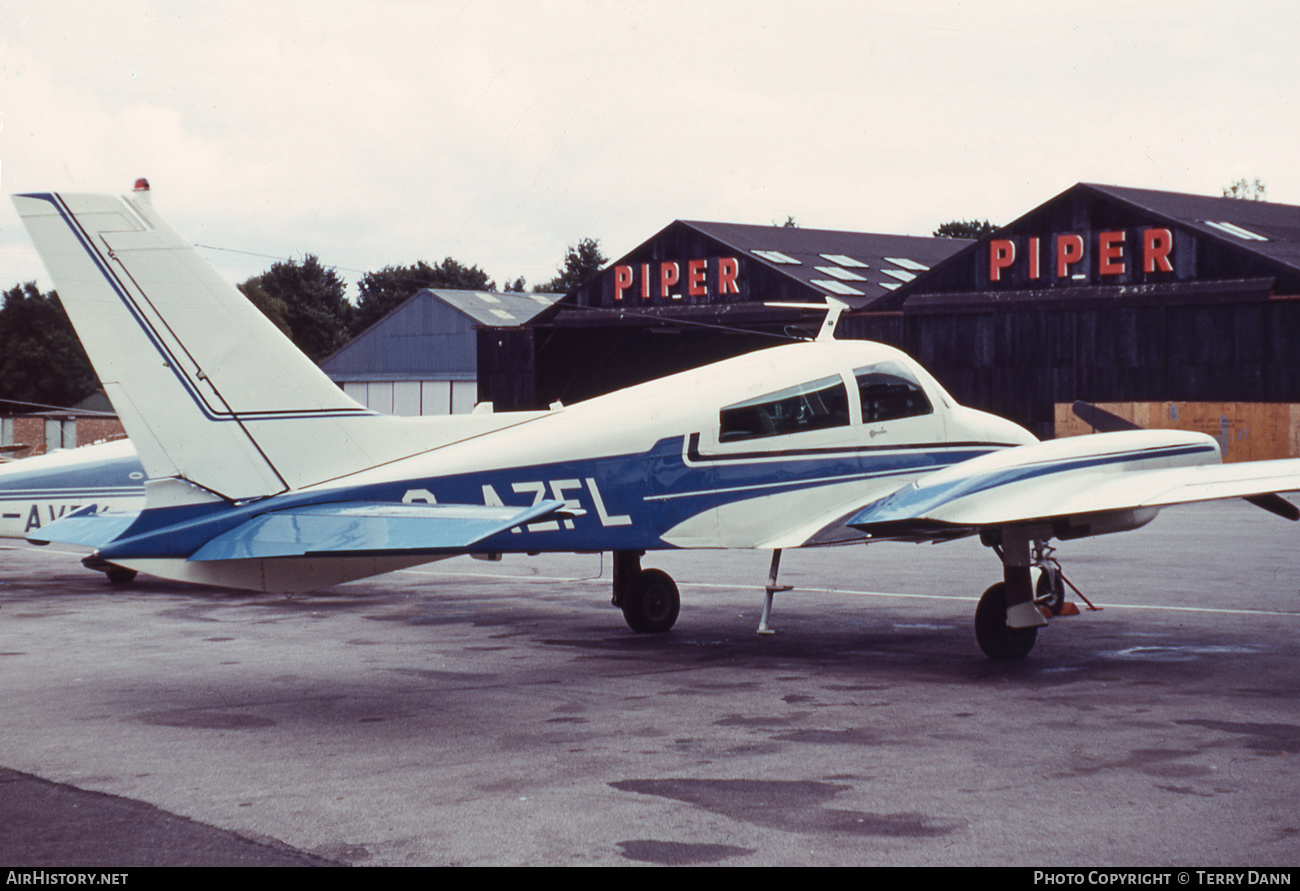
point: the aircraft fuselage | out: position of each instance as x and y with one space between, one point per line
721 456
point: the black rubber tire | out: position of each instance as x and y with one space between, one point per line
991 632
119 575
651 602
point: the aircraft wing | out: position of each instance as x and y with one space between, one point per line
368 528
1078 486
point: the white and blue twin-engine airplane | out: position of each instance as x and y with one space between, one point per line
261 474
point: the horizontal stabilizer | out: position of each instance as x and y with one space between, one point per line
86 527
368 528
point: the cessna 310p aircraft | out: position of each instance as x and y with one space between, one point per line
262 474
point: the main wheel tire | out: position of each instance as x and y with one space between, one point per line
119 575
651 602
1049 595
991 631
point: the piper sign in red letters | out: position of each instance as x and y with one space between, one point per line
668 280
1112 254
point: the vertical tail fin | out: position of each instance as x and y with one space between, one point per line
209 390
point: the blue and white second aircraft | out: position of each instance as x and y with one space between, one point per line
35 492
261 474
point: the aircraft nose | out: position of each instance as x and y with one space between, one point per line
984 427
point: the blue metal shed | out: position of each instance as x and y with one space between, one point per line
421 358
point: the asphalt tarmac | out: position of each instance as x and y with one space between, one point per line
480 713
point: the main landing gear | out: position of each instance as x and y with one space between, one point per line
648 597
1006 620
117 575
1011 612
650 601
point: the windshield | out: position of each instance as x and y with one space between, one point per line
889 391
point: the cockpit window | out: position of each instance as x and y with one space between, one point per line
889 391
811 406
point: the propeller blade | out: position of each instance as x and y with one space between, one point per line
1101 420
1275 504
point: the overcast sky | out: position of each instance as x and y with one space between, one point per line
376 132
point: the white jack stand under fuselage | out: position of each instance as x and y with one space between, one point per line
771 588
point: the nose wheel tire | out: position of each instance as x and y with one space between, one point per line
650 602
991 632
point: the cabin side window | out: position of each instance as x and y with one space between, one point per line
816 405
889 391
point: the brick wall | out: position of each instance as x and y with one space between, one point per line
29 430
97 428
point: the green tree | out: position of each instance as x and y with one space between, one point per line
1245 189
581 262
272 307
382 292
966 229
41 359
316 311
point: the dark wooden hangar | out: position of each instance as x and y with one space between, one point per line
1111 295
694 293
1157 301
